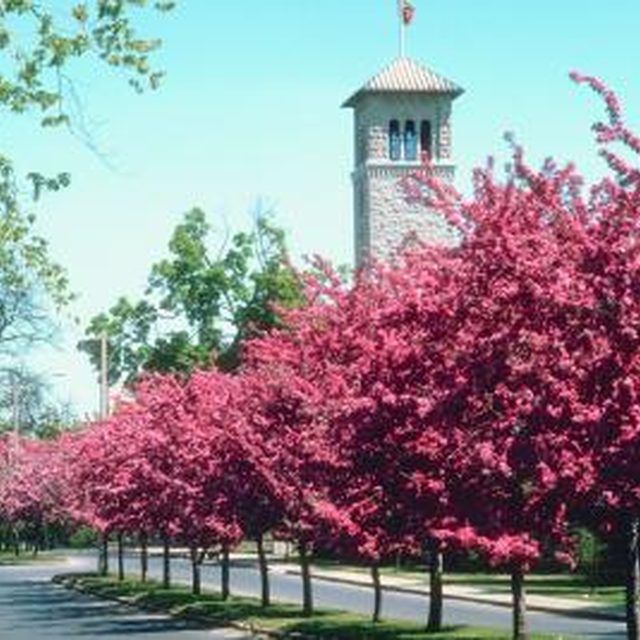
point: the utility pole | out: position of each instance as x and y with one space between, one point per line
401 26
104 377
15 415
103 555
15 403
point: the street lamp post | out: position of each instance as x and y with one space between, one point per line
103 556
15 403
104 376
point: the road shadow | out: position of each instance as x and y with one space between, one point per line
42 609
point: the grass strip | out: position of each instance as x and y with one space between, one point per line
279 620
10 558
572 586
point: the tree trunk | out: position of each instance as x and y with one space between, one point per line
519 605
144 557
103 555
166 564
377 592
196 577
120 541
305 569
264 572
633 580
224 573
435 586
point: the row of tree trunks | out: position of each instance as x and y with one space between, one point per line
435 566
13 541
103 558
435 563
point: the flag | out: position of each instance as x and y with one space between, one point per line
407 11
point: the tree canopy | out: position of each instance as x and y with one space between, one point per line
41 46
201 303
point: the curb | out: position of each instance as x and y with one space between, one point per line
69 582
573 613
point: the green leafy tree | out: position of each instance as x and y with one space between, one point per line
30 281
27 405
39 41
202 301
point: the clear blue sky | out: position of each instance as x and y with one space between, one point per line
250 109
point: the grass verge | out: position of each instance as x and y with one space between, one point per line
576 587
573 586
279 620
9 558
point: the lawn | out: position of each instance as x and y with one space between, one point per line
555 585
9 558
573 586
283 618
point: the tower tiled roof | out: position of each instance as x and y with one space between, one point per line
406 76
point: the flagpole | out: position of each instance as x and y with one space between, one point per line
401 27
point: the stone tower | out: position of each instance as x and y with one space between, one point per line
400 114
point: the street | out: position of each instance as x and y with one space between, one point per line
245 581
32 607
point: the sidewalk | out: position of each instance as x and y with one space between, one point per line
571 607
561 606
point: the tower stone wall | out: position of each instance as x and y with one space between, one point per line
404 92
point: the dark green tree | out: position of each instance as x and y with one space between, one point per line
39 42
39 39
202 302
28 406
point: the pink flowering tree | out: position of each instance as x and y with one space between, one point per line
349 364
106 459
540 355
32 491
285 405
222 405
607 359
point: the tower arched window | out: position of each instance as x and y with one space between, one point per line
395 142
426 139
410 141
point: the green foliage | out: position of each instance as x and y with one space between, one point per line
28 275
201 302
127 327
26 402
39 42
591 556
83 538
40 39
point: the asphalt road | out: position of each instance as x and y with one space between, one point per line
245 581
32 607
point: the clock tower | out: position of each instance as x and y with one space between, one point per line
400 115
